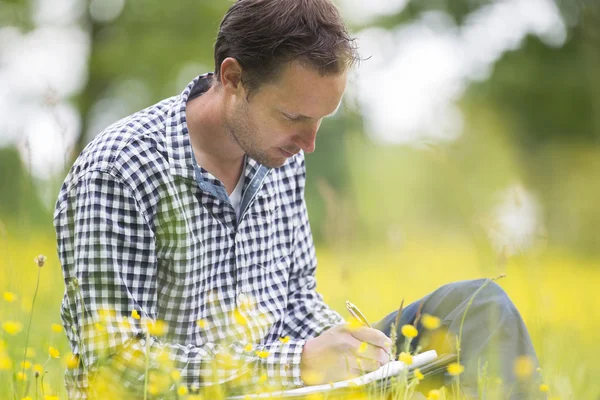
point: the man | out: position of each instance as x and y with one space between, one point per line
184 238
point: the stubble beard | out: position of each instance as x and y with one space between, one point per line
245 133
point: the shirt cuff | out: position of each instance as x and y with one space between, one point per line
282 363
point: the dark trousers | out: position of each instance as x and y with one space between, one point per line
493 334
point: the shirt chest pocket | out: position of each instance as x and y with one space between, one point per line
269 228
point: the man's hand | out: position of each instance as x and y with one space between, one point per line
343 352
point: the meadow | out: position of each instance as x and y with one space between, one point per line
555 291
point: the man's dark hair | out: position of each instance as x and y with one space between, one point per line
262 35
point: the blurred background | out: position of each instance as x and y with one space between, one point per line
468 146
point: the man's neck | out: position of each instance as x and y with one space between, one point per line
215 149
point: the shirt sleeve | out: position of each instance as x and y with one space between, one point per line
107 249
307 314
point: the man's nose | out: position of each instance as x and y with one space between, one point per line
307 138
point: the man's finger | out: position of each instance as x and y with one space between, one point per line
362 365
374 353
372 336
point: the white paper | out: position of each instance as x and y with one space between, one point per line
390 369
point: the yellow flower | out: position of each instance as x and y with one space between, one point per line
202 323
26 398
125 324
262 353
419 375
156 328
21 376
284 340
53 397
263 378
176 375
433 394
25 364
30 352
5 363
135 314
248 347
362 348
430 322
39 368
57 328
409 331
544 388
406 358
182 391
72 361
12 327
54 353
523 367
455 369
9 296
239 318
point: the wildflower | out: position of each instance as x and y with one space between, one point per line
523 367
544 388
26 398
30 352
430 322
156 328
39 368
182 391
21 376
53 397
263 378
406 358
176 375
455 369
239 318
99 327
202 324
125 324
409 331
284 340
419 375
9 296
12 327
5 363
433 394
40 260
135 314
262 353
248 347
363 347
25 364
54 353
72 361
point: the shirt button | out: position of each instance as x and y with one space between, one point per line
287 367
242 297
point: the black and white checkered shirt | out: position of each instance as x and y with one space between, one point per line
140 226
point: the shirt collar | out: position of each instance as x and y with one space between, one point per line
179 149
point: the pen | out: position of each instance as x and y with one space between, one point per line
357 314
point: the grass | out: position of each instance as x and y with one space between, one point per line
556 292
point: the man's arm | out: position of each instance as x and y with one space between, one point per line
107 249
307 314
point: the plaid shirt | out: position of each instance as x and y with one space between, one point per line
140 226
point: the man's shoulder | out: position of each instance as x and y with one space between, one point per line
132 149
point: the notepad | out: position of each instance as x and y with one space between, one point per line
390 369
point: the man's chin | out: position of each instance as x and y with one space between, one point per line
270 161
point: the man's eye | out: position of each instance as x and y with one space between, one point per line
291 118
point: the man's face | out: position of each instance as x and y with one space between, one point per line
283 117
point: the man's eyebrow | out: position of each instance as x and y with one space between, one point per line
300 116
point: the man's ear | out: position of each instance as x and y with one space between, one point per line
231 75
